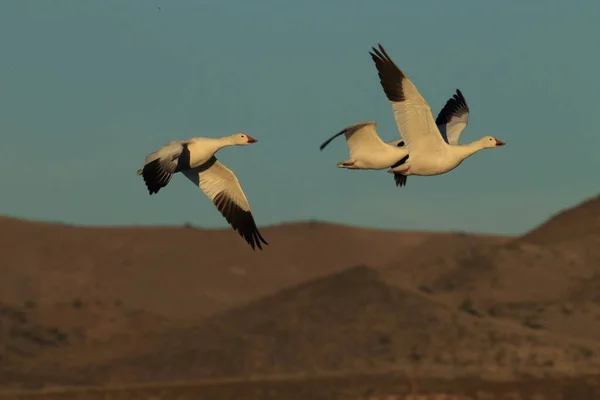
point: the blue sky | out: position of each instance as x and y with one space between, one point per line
88 88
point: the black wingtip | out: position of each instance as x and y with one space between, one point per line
390 76
257 239
375 48
400 179
325 143
252 236
461 98
240 220
455 106
380 53
155 177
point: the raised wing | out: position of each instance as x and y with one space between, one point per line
222 187
411 112
453 118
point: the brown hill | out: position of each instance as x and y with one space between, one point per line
67 291
29 334
352 321
463 304
180 272
549 279
579 222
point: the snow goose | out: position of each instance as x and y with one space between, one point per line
195 158
429 151
451 121
368 151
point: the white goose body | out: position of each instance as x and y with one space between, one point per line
195 158
432 145
200 149
367 150
437 161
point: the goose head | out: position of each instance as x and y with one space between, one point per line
489 142
241 139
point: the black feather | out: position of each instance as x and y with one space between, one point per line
400 179
456 106
390 76
400 162
240 220
325 143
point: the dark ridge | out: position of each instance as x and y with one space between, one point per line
580 221
240 220
390 76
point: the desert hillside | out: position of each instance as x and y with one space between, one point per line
548 279
579 222
84 305
353 321
183 272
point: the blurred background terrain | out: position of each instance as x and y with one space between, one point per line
97 306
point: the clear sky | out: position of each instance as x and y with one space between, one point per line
89 88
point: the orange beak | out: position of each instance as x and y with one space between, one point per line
251 139
499 143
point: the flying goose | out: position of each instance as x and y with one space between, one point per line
368 151
195 158
430 152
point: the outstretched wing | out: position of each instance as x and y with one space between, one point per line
453 118
360 137
222 187
412 113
